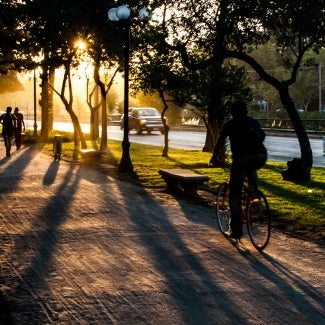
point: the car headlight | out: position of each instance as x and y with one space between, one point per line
143 122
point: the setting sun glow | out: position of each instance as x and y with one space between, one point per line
80 44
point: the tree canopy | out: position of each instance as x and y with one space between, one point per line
199 34
208 33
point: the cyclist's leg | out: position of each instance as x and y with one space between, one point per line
237 176
252 164
252 175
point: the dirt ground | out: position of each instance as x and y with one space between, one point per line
81 247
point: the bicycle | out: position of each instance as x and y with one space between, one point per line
255 213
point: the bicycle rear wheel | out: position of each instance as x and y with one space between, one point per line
258 220
223 209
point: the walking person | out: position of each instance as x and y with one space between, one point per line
20 125
8 122
248 155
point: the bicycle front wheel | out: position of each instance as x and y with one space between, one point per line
258 220
223 209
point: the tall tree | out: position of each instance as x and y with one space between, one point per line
295 33
8 36
209 90
42 25
225 29
200 32
53 28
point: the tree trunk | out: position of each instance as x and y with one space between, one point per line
298 169
50 117
44 103
93 107
101 85
166 126
214 120
103 142
68 103
94 126
78 135
211 135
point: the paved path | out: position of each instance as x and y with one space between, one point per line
81 247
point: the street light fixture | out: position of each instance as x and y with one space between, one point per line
122 13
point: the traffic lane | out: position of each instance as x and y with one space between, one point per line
286 148
279 148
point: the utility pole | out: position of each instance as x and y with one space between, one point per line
35 113
320 87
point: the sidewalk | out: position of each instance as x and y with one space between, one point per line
82 247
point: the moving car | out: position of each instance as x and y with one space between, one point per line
144 119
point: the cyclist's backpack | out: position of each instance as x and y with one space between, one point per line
255 137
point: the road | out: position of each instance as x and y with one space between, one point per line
280 148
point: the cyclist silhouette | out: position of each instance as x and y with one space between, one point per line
248 155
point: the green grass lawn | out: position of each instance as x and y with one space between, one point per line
298 205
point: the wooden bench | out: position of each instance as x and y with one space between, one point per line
185 179
90 156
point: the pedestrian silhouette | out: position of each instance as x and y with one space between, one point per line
8 122
20 125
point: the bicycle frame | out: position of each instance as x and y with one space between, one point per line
254 210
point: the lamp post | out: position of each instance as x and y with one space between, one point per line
320 105
35 117
122 13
